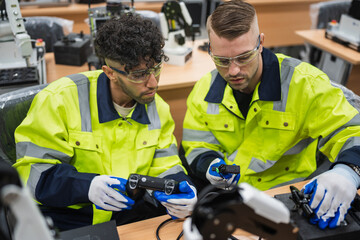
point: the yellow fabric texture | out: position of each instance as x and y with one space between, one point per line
314 109
117 148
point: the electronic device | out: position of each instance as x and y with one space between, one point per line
223 168
176 24
97 17
347 31
73 49
298 204
137 184
218 213
20 55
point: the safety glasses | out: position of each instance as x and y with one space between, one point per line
140 76
240 60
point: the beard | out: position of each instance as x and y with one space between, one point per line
141 98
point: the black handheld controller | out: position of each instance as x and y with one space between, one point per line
301 200
300 211
234 169
137 184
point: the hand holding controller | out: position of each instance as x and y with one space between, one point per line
179 205
107 193
221 175
137 184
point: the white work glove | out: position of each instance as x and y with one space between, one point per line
179 205
332 193
224 181
108 193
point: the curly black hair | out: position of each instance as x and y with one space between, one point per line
129 39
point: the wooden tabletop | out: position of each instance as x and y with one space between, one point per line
76 8
172 76
316 37
147 229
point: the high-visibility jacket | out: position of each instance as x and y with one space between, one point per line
72 133
294 112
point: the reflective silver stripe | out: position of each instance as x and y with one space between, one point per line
214 73
259 166
166 152
232 156
36 170
83 86
304 143
212 108
289 182
352 98
351 142
353 122
199 136
153 115
197 151
32 150
287 69
174 170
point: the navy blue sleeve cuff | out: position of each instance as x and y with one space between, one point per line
349 156
62 185
179 177
202 163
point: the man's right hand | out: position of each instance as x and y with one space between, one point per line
106 193
224 181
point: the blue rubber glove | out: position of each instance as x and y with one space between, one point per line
108 193
178 205
224 181
332 193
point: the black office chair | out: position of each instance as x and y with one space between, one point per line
49 29
13 109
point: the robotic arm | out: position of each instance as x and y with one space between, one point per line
175 16
218 213
176 25
17 27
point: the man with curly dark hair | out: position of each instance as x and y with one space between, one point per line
86 133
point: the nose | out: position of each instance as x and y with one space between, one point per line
233 69
152 82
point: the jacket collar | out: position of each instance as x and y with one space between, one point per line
269 88
106 108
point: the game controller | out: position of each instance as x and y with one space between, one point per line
223 169
137 184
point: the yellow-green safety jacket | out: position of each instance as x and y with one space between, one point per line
73 133
294 113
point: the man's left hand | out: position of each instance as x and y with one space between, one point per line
181 204
332 194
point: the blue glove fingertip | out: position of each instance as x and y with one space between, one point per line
184 187
310 187
160 196
323 224
237 178
120 186
98 207
314 220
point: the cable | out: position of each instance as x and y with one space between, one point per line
163 224
160 226
180 235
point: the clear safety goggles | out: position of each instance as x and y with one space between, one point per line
240 60
140 76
